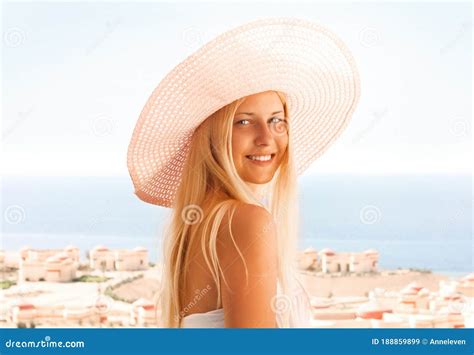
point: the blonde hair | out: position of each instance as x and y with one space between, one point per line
209 168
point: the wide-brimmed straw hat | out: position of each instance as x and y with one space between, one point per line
306 61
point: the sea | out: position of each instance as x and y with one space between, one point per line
415 221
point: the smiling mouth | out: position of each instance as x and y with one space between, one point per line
261 158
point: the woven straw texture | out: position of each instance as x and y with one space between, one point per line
302 59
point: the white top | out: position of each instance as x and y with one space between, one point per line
299 301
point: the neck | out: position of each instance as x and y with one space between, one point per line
258 190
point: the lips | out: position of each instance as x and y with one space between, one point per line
261 155
261 161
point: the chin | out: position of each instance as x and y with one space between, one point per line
259 180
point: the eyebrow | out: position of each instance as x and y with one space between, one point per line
253 114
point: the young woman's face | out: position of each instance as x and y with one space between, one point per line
259 137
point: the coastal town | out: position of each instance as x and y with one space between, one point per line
118 288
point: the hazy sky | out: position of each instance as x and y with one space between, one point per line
76 75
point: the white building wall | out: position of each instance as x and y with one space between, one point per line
126 260
31 271
102 260
348 262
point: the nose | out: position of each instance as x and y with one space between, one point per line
264 135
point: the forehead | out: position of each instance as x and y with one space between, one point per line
261 103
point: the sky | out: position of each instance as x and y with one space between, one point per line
75 77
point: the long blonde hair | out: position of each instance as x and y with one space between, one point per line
209 168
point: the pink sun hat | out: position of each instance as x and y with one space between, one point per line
306 61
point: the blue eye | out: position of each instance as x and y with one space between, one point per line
278 120
242 121
272 120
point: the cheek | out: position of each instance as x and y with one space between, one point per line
236 147
238 144
282 143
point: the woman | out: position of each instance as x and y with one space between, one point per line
221 141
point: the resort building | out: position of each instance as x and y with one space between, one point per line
102 258
51 265
328 261
39 255
143 313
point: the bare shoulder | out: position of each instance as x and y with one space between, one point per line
253 217
251 225
247 253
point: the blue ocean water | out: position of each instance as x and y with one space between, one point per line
420 221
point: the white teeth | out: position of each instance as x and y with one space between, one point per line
260 157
